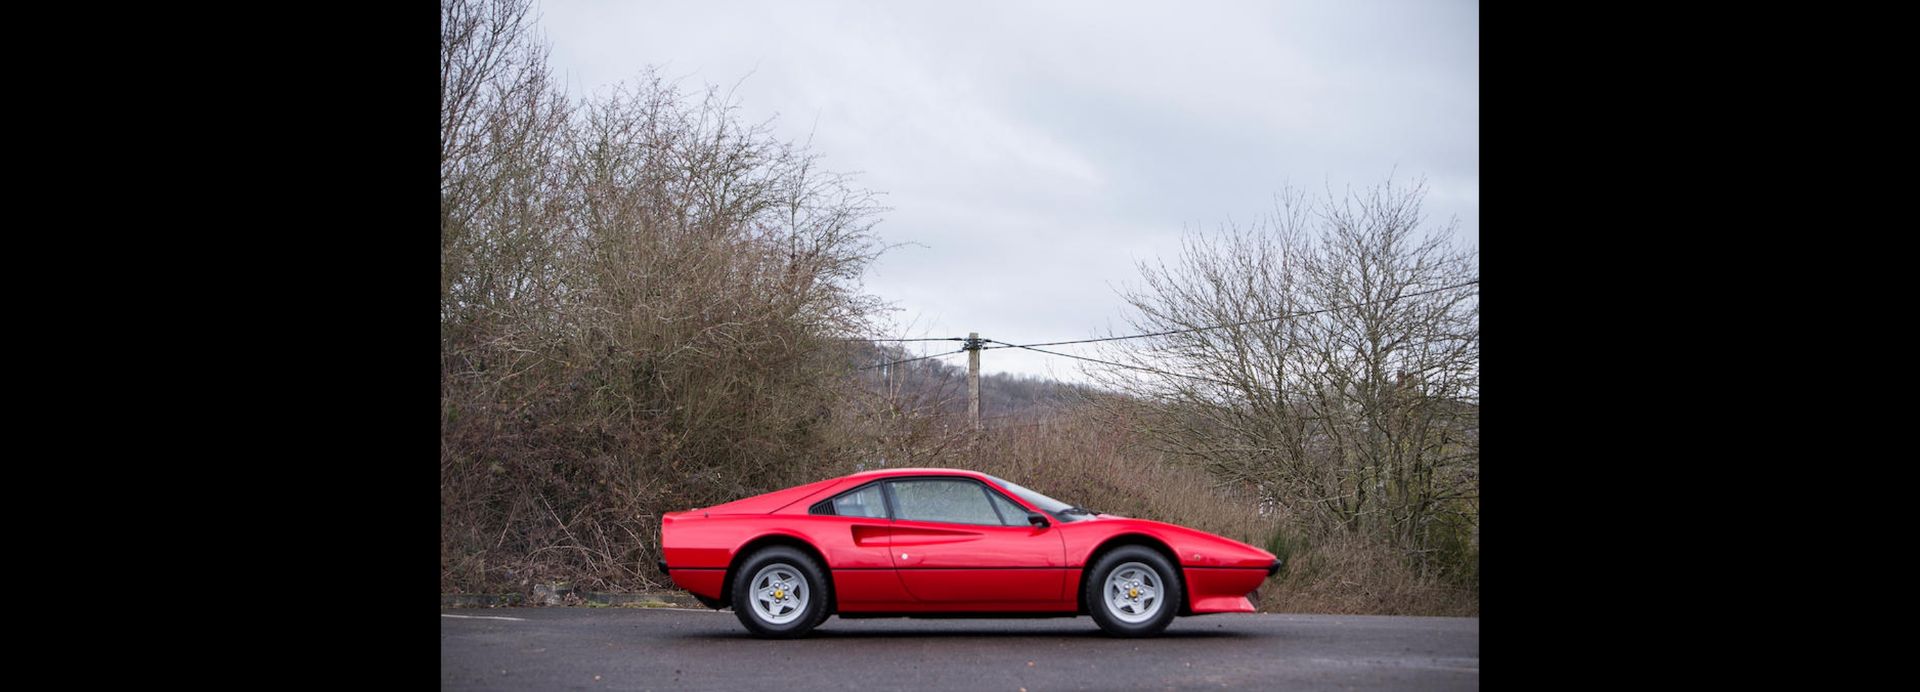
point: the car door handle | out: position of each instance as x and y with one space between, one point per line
868 535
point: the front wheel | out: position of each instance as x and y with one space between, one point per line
1132 592
780 592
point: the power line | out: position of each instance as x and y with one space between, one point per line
909 360
1119 365
1041 423
897 339
1156 371
1027 416
1234 324
1032 347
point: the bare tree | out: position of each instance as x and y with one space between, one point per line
1328 355
909 413
643 308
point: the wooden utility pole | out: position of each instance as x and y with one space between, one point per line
973 379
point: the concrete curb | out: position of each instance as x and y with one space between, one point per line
479 600
570 598
673 599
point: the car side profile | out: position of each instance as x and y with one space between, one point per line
948 543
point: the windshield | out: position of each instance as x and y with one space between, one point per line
1058 509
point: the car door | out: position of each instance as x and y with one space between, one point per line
854 531
956 541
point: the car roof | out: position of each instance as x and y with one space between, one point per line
886 473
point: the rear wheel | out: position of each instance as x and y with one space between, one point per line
780 592
1132 592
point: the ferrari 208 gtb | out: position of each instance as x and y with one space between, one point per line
946 543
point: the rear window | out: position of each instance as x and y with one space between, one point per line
865 502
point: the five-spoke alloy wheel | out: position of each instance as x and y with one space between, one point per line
1132 592
780 592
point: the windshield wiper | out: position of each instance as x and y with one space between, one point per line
1077 509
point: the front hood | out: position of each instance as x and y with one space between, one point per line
1198 548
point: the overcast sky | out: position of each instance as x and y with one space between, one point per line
1033 152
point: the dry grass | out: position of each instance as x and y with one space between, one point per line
1348 576
1076 460
1067 457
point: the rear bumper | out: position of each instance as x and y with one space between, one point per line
700 582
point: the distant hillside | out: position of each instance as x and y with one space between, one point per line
942 384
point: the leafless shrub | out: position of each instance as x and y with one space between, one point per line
1082 456
1079 457
1355 415
641 304
1346 573
903 412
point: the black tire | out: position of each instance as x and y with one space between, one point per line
794 614
1144 615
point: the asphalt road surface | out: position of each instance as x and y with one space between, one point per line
663 649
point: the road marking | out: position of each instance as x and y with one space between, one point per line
480 617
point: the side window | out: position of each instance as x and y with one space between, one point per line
866 502
951 501
1010 514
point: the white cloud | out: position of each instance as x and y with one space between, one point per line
1038 149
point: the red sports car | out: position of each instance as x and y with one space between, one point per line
947 543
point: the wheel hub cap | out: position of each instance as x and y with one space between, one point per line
780 593
1134 592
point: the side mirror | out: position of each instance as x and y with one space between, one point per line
1038 519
